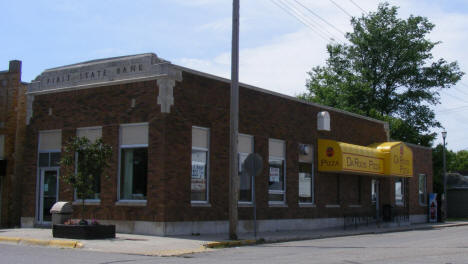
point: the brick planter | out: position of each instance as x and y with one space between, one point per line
84 231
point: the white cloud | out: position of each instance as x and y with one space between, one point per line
281 64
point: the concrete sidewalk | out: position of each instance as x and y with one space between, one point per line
173 246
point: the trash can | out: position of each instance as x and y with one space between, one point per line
61 212
387 212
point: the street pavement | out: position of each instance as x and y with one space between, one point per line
439 245
183 245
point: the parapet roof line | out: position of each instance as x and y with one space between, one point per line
96 61
292 98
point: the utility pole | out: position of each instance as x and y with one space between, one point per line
444 200
234 125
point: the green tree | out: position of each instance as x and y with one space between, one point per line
460 163
387 72
92 159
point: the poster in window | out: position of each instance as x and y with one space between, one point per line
198 170
305 184
198 184
274 174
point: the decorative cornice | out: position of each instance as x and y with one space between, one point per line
103 72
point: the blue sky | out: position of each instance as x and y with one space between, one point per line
276 49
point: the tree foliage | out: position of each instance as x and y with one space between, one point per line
455 162
387 72
92 159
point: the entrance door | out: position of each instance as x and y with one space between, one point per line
376 198
48 193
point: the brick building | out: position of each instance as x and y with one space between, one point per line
12 129
169 128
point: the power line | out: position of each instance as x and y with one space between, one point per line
341 8
324 20
286 9
310 19
294 14
365 12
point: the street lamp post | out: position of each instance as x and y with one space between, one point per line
444 201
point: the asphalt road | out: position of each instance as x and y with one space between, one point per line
446 245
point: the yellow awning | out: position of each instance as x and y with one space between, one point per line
384 159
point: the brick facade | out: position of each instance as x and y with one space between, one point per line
202 100
12 127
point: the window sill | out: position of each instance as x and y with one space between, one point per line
131 203
87 202
284 205
200 204
244 204
400 204
332 206
307 205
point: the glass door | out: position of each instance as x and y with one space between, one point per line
48 193
375 197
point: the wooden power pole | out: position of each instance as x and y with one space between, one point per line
234 125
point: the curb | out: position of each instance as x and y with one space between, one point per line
39 242
234 243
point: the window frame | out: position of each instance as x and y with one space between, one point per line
403 193
239 154
425 202
374 186
2 147
312 179
282 159
38 168
208 180
119 173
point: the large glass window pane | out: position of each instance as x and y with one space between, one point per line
374 191
43 159
422 189
133 174
54 159
96 184
399 191
245 189
276 180
305 182
199 182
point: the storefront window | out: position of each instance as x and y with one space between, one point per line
306 176
200 166
2 147
133 161
305 183
92 134
245 147
134 167
399 191
422 189
277 168
374 186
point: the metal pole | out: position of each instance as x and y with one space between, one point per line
234 123
254 203
444 202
